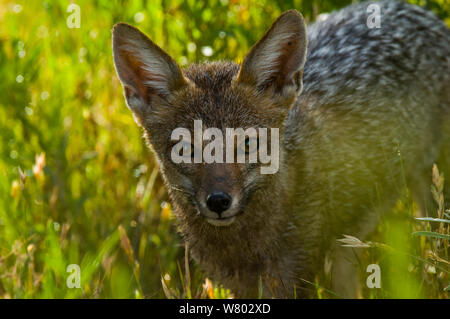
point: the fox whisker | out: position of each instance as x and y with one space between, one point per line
182 190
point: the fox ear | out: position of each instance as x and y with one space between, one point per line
277 60
144 69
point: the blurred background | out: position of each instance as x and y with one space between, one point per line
78 184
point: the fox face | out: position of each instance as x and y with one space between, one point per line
257 94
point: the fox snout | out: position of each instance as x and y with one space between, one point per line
218 202
218 196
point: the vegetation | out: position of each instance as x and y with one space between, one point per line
79 186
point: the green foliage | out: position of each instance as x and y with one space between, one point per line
74 166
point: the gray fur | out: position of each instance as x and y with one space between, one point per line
369 120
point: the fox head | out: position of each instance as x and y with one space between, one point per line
256 94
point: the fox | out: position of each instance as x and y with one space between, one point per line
362 113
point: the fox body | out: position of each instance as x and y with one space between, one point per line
368 120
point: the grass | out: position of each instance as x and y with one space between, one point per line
79 186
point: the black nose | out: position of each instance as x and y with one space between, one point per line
218 202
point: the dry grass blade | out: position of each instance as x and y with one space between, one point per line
187 271
166 289
432 234
351 241
126 244
430 219
208 288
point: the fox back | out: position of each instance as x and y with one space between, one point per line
368 119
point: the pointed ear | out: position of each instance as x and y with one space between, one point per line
144 69
277 60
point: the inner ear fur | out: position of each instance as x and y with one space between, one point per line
277 60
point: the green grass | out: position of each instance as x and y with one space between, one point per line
78 185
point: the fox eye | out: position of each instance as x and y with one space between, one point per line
185 150
249 146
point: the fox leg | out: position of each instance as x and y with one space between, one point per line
420 185
345 261
420 188
443 162
345 272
